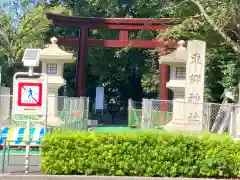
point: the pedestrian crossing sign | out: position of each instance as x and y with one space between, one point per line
29 94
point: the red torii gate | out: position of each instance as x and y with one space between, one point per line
121 24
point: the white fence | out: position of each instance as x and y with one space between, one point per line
65 112
171 115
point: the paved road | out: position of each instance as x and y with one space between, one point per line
20 159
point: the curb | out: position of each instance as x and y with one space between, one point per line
72 177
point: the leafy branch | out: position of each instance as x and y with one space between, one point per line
232 43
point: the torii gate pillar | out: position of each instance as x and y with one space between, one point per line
82 63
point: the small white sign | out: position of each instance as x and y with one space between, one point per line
29 96
99 98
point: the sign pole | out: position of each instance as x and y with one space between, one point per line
27 147
28 127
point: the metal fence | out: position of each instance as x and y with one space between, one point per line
152 113
63 112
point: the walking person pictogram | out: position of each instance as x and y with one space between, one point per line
30 93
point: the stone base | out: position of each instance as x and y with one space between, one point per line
238 125
183 126
52 121
92 122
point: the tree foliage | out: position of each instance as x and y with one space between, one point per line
27 31
130 72
217 23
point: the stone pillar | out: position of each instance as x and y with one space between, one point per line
164 70
52 101
194 90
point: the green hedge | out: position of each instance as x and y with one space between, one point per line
140 154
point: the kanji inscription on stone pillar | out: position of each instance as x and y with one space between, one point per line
194 91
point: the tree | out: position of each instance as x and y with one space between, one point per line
16 34
224 19
217 22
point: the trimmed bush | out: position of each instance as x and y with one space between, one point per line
140 154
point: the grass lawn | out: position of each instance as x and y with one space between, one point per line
114 128
117 128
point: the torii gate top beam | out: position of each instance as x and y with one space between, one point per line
109 23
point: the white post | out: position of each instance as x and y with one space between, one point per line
30 71
130 103
0 75
232 125
27 147
150 125
46 116
87 117
65 94
146 113
143 112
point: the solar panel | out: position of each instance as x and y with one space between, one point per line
31 57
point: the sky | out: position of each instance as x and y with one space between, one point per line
12 7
